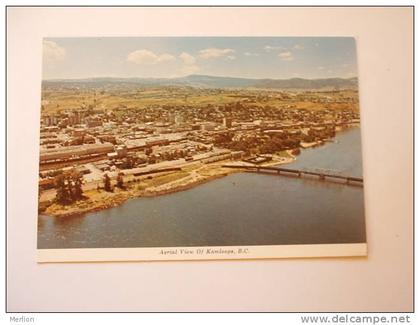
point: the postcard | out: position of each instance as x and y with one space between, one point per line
199 148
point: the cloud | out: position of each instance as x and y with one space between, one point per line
298 47
148 57
187 58
213 53
251 54
166 58
269 48
52 51
321 68
189 62
286 56
230 57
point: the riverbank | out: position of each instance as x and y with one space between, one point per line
190 175
149 186
240 209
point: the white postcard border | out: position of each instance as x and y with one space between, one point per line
199 253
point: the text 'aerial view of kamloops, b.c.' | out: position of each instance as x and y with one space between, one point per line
199 142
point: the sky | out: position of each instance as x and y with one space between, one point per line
169 57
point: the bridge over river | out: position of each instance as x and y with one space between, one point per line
322 175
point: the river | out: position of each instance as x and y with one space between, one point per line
240 209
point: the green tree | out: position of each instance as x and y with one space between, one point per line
69 187
120 181
62 194
107 183
77 182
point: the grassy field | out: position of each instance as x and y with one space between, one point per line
284 154
54 101
163 179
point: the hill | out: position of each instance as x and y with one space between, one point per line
204 81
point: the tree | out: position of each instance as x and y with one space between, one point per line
107 183
69 187
77 182
120 181
148 151
152 159
62 194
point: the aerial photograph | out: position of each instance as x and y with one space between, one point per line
199 141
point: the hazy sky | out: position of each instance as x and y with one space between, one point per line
249 57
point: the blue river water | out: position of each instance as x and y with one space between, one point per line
239 209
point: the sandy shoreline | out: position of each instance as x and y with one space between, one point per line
120 197
102 200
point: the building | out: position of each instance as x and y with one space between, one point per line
179 119
208 126
75 152
93 122
227 122
121 151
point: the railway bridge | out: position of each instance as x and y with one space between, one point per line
320 175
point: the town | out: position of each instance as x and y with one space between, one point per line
117 143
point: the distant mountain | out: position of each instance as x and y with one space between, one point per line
299 83
204 81
216 82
